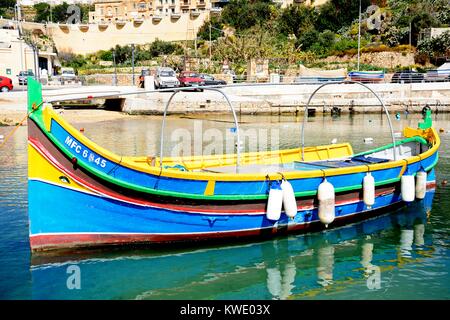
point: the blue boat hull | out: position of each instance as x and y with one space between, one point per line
86 219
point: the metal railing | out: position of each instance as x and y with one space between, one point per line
305 117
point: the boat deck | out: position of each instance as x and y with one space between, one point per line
297 165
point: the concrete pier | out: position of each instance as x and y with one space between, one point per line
293 98
252 99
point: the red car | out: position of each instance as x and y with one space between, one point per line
5 84
190 79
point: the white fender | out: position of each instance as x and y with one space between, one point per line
326 197
369 190
408 188
274 202
421 184
274 281
419 231
289 202
406 242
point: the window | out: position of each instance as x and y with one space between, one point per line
167 74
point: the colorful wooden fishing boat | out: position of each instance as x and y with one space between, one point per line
366 76
81 195
302 262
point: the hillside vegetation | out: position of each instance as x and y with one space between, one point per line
294 35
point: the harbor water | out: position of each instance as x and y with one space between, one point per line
400 255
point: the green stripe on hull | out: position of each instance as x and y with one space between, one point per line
35 98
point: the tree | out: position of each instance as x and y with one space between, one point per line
42 12
308 38
59 13
216 27
7 8
335 14
70 59
435 47
160 47
244 14
296 20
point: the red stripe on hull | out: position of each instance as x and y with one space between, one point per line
80 240
305 204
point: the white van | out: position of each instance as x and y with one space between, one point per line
166 78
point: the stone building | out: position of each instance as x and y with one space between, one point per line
286 3
15 54
138 10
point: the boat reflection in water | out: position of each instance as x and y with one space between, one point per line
360 255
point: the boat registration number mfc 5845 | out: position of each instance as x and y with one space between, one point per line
84 152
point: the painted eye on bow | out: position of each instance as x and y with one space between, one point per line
64 179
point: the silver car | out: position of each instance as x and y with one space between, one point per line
23 76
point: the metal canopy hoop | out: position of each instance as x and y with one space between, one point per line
305 117
161 148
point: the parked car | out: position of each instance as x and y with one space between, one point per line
144 73
433 76
209 80
232 73
441 74
407 76
68 74
23 76
5 84
190 79
166 77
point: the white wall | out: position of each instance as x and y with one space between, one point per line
15 55
70 38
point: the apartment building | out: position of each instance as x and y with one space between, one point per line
138 10
286 3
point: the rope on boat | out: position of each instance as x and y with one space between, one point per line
10 134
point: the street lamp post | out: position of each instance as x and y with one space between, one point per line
359 33
115 68
210 43
132 60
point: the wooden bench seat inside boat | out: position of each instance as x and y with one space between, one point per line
405 148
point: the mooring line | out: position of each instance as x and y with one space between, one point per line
10 134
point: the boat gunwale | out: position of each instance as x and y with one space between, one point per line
128 162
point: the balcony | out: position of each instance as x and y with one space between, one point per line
120 22
108 1
194 13
185 3
216 10
175 16
156 18
83 27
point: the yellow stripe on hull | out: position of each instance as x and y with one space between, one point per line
40 168
334 151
